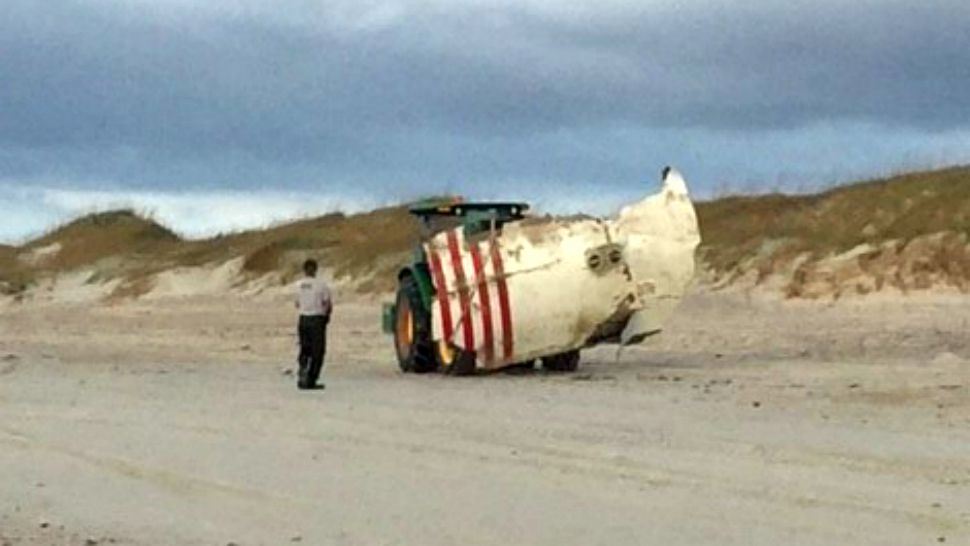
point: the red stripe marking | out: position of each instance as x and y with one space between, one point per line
486 303
442 291
503 300
463 292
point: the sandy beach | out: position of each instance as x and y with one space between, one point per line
750 421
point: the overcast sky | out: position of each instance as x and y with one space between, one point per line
217 114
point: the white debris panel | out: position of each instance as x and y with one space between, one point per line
542 286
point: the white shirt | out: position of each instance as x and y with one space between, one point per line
313 297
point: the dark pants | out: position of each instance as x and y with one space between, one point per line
313 346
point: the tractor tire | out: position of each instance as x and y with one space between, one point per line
454 361
562 362
412 330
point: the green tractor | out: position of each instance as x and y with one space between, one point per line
409 318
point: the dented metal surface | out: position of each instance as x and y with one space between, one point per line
544 286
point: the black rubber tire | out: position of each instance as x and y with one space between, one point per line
562 362
418 355
463 362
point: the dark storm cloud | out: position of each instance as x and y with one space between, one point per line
95 74
563 102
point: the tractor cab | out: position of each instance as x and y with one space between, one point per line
475 218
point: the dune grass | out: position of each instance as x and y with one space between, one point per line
369 247
899 208
124 244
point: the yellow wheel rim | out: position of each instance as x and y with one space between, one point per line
445 352
405 329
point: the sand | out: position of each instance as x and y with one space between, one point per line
750 421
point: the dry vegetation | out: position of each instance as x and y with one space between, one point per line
10 280
123 245
906 232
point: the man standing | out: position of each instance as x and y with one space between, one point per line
313 301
